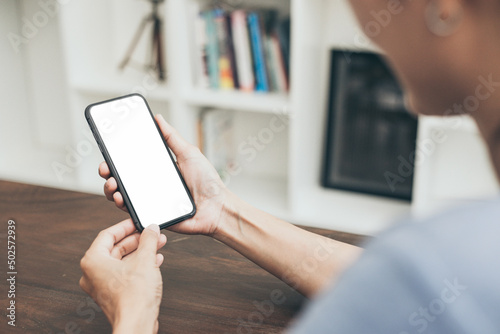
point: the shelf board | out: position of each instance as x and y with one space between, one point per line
460 123
236 100
118 86
348 211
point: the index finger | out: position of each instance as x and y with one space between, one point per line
173 138
107 238
104 171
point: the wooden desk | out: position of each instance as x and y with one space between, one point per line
208 287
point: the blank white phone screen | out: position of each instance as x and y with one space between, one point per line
141 160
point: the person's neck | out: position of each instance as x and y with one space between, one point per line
481 60
488 121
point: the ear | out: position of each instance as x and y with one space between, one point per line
451 8
443 16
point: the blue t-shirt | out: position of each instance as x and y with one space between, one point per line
441 275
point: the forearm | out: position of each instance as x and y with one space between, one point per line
135 320
304 260
135 314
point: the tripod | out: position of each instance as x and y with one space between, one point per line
156 58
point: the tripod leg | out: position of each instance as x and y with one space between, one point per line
157 41
133 43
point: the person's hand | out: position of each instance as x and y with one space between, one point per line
208 190
121 273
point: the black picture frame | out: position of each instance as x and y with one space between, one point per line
370 138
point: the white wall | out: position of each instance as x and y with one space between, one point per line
454 165
33 118
45 87
15 124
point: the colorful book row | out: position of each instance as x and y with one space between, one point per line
245 50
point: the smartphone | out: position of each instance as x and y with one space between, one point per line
139 159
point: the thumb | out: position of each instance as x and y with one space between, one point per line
148 242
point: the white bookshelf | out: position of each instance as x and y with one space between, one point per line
85 43
243 101
284 178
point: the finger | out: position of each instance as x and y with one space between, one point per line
110 187
119 202
130 244
174 140
107 238
84 285
148 241
162 241
125 246
159 259
104 171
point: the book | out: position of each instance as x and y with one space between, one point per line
261 84
242 50
217 139
225 71
278 64
212 50
230 46
267 22
283 35
201 44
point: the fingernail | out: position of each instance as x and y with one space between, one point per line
154 227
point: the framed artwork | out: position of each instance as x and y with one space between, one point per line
370 136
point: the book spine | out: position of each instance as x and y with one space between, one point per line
258 53
201 60
271 69
278 64
217 128
225 71
212 49
242 51
267 20
283 32
232 56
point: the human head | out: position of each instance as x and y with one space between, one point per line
438 48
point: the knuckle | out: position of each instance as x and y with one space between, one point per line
84 263
122 250
82 283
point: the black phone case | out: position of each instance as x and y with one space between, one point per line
115 174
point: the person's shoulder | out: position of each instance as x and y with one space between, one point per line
419 275
460 242
464 222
